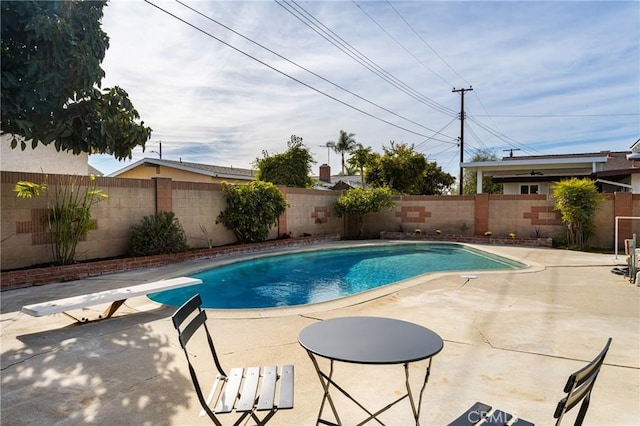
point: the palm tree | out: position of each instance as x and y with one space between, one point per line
346 144
360 158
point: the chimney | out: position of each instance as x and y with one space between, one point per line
325 173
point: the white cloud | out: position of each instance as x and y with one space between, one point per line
210 103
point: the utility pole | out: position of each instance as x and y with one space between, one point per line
461 91
159 153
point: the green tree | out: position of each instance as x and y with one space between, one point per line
400 168
471 177
345 145
577 201
361 158
252 209
291 168
357 202
436 181
51 75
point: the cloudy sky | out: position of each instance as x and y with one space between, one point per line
223 82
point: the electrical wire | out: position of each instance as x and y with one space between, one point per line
439 132
401 45
427 44
325 32
558 115
502 137
304 68
282 72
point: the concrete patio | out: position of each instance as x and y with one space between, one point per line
510 339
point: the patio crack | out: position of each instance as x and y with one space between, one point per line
28 358
483 336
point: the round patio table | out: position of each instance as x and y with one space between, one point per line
368 340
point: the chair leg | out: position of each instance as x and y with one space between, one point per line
583 411
265 419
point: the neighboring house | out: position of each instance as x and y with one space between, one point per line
148 168
335 183
612 171
42 159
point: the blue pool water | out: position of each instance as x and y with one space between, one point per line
317 276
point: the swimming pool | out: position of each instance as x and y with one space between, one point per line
317 276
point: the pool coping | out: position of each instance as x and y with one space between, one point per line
352 300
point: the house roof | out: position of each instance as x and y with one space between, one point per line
94 171
338 182
583 164
203 169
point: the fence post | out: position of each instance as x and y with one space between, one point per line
164 194
481 210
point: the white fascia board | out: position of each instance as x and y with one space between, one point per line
126 169
158 162
514 164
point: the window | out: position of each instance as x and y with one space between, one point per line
528 189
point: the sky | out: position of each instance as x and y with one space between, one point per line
225 83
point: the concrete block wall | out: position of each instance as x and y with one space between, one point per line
196 204
311 212
527 216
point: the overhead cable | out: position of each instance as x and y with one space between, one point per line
325 32
401 45
439 132
427 44
282 72
558 115
306 69
503 137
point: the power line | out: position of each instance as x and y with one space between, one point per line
304 68
557 115
503 137
439 132
281 72
474 135
427 44
400 44
325 32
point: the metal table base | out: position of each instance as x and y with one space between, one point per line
327 382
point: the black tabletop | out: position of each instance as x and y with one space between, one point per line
370 340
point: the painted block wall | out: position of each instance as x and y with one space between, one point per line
311 212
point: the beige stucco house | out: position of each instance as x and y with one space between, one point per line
148 168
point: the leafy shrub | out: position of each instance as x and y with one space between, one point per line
157 234
357 202
252 209
577 200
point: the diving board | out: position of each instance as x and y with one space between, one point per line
116 297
